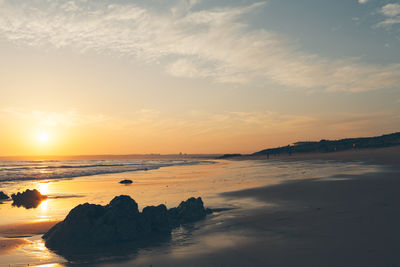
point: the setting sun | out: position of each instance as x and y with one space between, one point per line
43 137
44 188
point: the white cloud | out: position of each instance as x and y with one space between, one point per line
70 6
392 14
391 10
362 1
213 44
388 22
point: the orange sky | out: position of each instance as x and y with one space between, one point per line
192 76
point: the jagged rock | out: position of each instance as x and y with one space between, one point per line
77 226
28 199
126 181
3 196
157 219
191 210
119 221
124 204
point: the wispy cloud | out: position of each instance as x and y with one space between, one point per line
391 12
362 1
210 44
194 123
70 118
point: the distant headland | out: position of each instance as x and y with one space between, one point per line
327 146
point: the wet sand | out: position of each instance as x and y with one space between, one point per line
295 212
8 245
26 229
349 222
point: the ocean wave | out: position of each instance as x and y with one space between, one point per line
44 170
65 167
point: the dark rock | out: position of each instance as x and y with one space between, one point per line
174 217
28 199
124 204
157 219
191 210
77 226
120 221
3 196
188 211
126 181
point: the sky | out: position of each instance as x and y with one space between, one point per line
194 76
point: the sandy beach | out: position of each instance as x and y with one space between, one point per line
337 210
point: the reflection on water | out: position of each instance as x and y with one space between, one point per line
113 252
43 206
44 188
28 205
37 249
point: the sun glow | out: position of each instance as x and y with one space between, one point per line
43 206
43 137
44 188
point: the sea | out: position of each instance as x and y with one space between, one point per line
22 170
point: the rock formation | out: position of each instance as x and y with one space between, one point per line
119 221
28 199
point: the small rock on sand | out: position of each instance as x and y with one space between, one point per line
3 196
126 181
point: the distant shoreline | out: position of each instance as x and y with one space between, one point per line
384 156
113 157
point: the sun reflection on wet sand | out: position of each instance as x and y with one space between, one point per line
43 206
44 188
9 244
